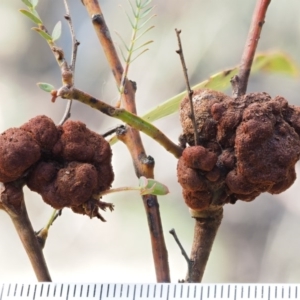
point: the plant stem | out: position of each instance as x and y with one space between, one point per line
12 201
129 118
143 164
240 84
206 226
188 87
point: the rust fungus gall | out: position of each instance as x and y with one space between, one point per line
248 146
67 165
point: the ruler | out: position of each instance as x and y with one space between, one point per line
163 291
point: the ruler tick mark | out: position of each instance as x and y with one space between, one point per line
68 289
127 294
34 292
134 292
74 291
107 291
28 290
61 290
15 290
121 290
100 296
141 292
115 287
167 292
48 290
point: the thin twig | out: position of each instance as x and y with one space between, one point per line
188 87
143 164
125 116
75 45
12 201
240 83
183 252
206 226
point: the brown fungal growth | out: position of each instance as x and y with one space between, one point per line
67 165
18 151
246 146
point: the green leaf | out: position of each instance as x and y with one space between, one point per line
43 34
31 16
272 62
276 62
152 187
45 87
27 3
34 3
56 33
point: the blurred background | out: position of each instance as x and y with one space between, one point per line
257 242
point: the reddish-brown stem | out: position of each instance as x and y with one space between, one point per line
12 201
143 164
206 227
240 84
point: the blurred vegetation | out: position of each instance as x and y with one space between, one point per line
257 241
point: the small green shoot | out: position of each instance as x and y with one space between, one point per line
28 3
45 87
147 186
31 16
56 33
43 34
152 187
34 3
139 13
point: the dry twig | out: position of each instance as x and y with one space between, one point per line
188 87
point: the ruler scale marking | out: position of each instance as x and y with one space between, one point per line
159 291
100 297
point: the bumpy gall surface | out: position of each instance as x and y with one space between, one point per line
246 146
67 165
18 151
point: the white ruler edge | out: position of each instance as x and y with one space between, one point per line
157 291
